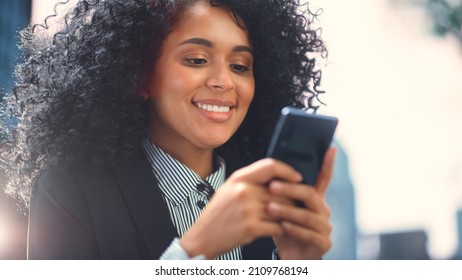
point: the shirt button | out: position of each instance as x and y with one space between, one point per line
200 204
200 187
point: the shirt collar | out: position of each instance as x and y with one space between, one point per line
175 179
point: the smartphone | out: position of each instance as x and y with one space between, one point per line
301 140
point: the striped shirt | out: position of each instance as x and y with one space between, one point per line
185 194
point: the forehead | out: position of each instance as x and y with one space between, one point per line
201 19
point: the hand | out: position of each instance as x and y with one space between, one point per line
306 230
237 213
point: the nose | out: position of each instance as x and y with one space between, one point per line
220 78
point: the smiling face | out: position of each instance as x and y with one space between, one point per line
202 83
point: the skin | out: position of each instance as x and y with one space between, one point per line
207 60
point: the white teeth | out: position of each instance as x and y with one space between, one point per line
214 108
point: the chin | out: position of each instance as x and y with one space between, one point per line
215 145
215 142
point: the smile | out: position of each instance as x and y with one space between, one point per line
214 108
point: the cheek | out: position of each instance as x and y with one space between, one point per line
248 92
169 77
167 87
182 83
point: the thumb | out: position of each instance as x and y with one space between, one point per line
327 171
265 170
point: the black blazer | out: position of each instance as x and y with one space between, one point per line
118 213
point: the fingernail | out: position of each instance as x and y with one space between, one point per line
274 207
286 225
275 185
299 177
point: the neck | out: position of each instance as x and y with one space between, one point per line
198 160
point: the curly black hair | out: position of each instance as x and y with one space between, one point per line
78 94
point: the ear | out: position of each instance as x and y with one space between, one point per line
145 94
146 91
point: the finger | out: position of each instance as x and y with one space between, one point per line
253 200
268 229
301 217
279 201
308 195
265 170
327 171
321 241
263 229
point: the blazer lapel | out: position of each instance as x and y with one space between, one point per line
150 213
147 208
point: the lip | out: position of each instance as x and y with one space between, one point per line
222 115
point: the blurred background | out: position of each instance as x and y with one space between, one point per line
394 80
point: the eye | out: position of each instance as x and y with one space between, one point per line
195 61
239 68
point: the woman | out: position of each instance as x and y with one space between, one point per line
136 112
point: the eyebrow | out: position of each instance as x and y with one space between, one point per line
209 44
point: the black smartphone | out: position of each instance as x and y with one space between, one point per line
301 140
